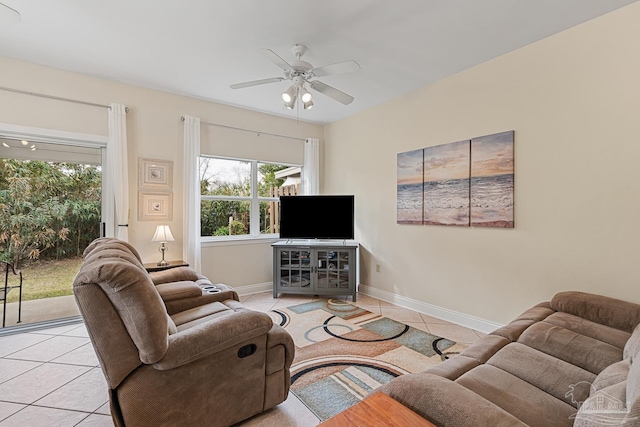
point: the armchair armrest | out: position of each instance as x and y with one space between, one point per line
278 336
210 337
177 274
446 403
172 291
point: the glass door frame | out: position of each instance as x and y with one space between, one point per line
54 136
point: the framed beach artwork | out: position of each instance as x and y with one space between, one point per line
409 187
492 180
446 184
465 183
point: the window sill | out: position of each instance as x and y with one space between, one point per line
238 240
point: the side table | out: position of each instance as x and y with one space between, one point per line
153 266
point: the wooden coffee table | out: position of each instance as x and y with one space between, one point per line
377 410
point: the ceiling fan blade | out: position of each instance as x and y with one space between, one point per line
331 92
256 82
338 68
273 57
8 15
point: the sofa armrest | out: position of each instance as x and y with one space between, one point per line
607 311
446 403
210 337
177 274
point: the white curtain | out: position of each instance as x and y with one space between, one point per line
311 167
191 226
119 167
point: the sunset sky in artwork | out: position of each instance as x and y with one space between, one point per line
410 167
448 161
492 154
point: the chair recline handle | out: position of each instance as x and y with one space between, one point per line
247 350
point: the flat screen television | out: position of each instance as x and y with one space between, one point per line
317 217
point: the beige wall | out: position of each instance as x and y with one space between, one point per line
154 130
572 99
574 102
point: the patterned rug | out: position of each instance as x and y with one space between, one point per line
343 352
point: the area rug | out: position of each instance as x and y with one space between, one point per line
343 352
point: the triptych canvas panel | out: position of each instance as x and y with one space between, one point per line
465 183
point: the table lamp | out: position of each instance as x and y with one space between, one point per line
163 235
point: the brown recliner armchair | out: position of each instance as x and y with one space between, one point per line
206 361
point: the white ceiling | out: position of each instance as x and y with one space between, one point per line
199 47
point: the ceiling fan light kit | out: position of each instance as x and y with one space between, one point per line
301 72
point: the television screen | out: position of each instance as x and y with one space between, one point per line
316 217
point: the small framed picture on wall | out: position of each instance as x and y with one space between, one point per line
155 206
156 174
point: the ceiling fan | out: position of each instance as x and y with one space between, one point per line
8 15
301 72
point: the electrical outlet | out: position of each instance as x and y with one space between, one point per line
377 268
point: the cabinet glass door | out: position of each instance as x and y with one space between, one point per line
333 270
295 268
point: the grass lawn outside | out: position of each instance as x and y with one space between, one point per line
46 279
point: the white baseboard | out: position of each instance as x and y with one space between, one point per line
431 310
254 289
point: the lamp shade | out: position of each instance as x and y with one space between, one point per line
163 234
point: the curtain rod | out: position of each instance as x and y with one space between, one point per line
57 98
248 130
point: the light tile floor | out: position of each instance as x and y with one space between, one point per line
51 377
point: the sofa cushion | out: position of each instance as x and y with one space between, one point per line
454 367
612 312
632 347
483 349
585 327
513 330
446 403
605 407
585 352
524 401
546 372
633 381
612 374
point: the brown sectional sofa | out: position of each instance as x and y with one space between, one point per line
572 361
176 350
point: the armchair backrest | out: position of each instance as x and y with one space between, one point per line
126 319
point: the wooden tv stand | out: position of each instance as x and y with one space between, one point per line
377 410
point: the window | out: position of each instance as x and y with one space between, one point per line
240 197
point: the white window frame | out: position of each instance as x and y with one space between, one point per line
254 204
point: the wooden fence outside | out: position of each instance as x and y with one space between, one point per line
274 212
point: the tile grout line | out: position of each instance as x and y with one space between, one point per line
18 411
28 370
58 388
29 346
